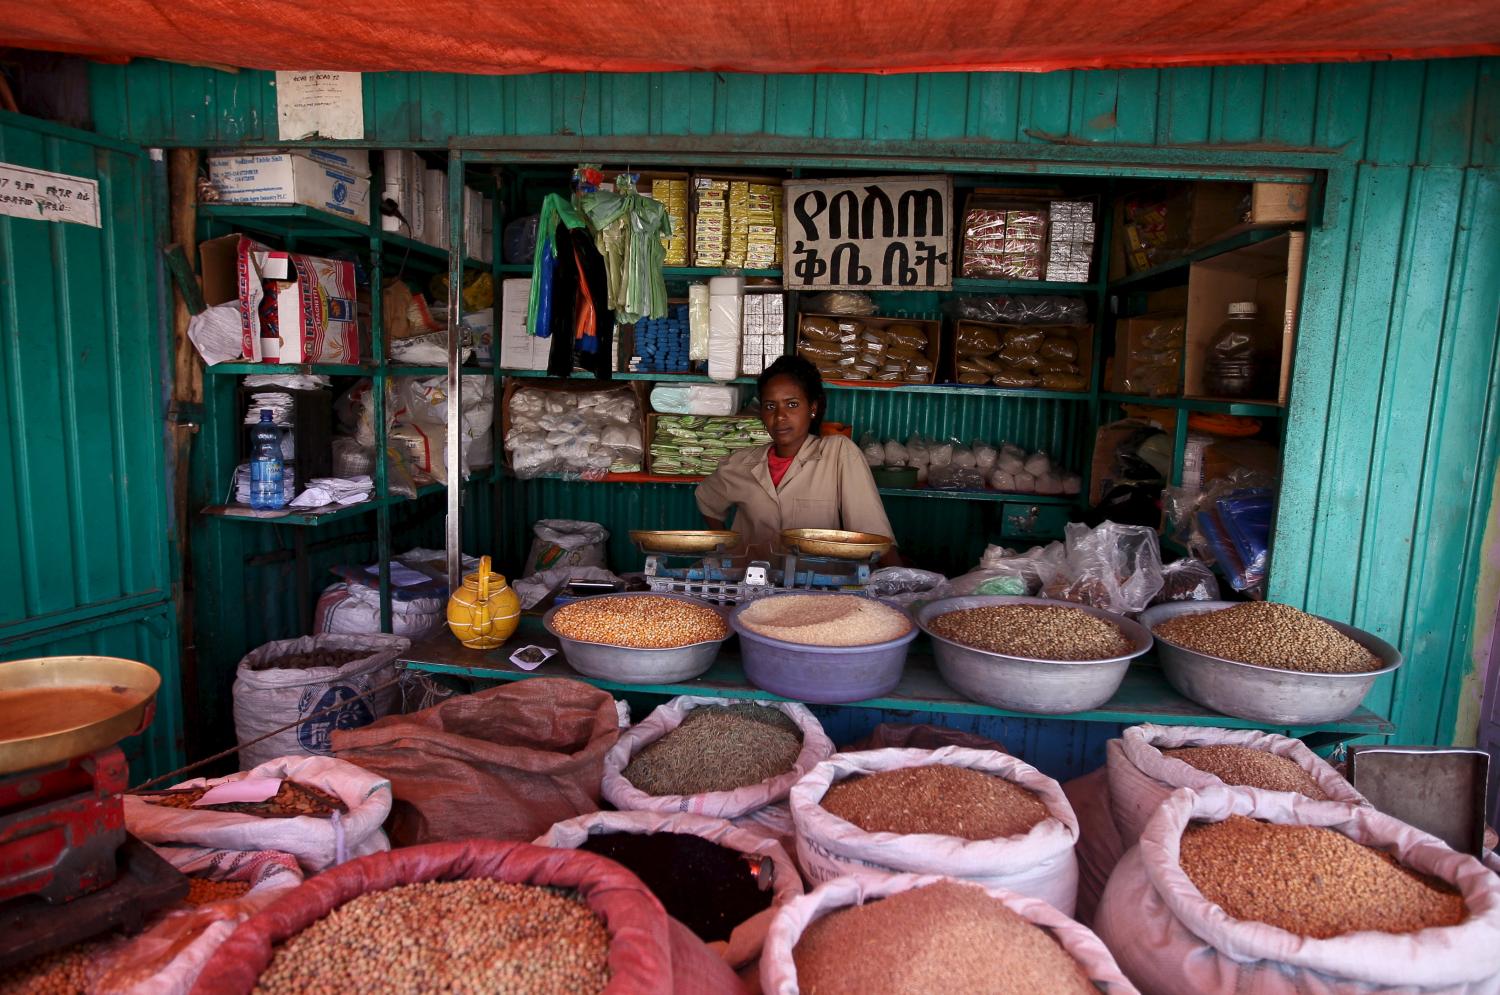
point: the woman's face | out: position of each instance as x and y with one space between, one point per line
786 412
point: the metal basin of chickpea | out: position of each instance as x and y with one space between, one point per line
646 622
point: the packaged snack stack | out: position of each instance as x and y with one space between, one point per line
673 195
984 240
1070 245
1003 241
764 337
754 209
694 445
1025 237
710 221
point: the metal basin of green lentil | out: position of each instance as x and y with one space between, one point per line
644 622
1027 683
1259 693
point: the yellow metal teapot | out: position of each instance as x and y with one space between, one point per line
484 611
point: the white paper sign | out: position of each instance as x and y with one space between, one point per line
314 103
869 233
44 196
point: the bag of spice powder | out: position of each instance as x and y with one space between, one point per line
1039 863
745 943
1169 938
752 805
1141 777
778 970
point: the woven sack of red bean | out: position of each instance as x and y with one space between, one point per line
639 949
1248 892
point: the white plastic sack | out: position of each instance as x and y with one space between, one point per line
1169 939
169 955
354 610
561 542
816 747
695 399
745 942
1040 863
215 333
268 699
318 842
1140 778
778 969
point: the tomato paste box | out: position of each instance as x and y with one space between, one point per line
294 308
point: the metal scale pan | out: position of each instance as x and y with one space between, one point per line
55 708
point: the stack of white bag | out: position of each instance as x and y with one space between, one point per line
1114 803
588 433
759 806
745 941
422 423
1040 863
1168 938
953 465
778 968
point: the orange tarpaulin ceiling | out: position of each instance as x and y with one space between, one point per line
520 36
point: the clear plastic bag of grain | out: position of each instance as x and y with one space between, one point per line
722 757
1247 892
973 814
1148 762
912 933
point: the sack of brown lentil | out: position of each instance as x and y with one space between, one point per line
973 814
1307 897
723 757
499 917
226 889
317 841
746 937
504 763
940 940
1148 762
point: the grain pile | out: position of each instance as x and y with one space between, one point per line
63 972
647 623
317 659
947 937
1250 768
1311 881
937 798
1040 632
825 620
718 748
1270 635
201 891
455 936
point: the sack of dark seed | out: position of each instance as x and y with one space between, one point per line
720 757
1148 762
928 933
696 896
1234 891
974 814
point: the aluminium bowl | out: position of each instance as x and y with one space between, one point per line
1028 684
629 665
1264 694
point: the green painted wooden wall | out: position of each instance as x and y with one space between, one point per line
1392 446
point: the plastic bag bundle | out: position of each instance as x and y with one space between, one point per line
953 477
872 448
1040 310
1115 567
984 456
585 434
841 302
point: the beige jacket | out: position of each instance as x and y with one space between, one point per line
828 486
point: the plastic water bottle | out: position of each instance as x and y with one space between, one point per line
267 487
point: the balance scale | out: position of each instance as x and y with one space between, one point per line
714 576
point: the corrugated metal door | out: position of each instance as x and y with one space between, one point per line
84 542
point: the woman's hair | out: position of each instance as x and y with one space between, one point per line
807 377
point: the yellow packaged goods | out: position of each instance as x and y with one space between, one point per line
825 620
977 340
1311 881
945 937
907 336
1052 357
673 194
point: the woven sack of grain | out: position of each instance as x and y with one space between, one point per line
778 971
754 804
1141 778
1039 863
745 942
1099 846
1169 939
318 842
167 957
648 952
504 763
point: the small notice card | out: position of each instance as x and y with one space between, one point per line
314 103
44 196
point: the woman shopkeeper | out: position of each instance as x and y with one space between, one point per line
802 480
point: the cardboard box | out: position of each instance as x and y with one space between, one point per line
473 223
402 181
518 349
435 186
416 177
336 182
1268 273
293 308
